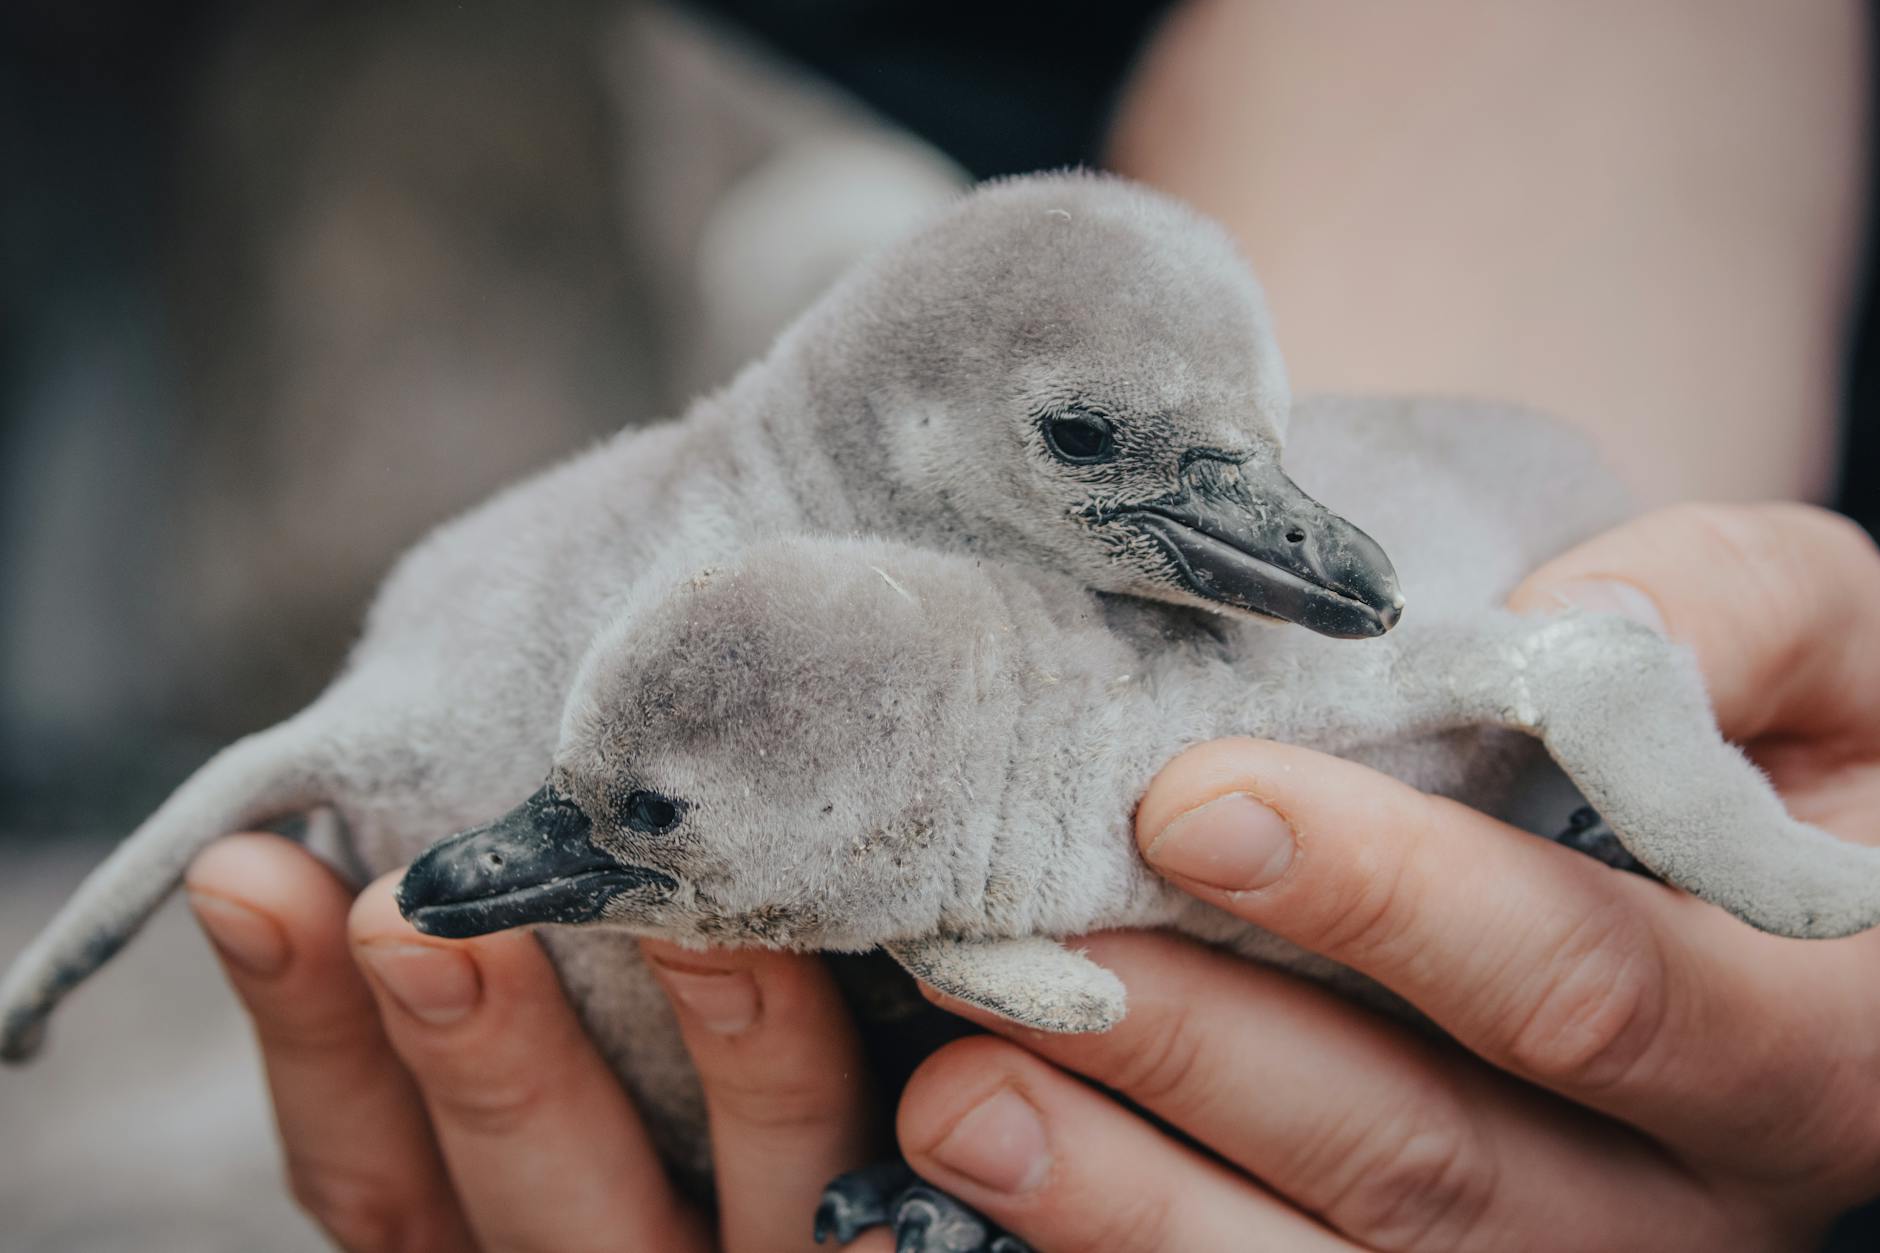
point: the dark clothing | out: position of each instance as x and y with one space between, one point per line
1001 87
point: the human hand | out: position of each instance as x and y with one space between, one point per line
1630 1068
440 1095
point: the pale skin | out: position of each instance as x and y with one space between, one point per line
1632 1069
1643 218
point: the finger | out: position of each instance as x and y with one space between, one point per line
360 1156
545 1148
1781 603
1066 1168
785 1082
1393 1139
1610 989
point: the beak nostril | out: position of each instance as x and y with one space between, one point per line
495 860
1295 536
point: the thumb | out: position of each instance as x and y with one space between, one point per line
1780 602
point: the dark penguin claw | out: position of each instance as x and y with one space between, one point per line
928 1221
924 1219
860 1199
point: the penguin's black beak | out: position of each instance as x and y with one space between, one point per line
1244 536
533 865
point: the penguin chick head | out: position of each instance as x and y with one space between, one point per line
1073 371
752 761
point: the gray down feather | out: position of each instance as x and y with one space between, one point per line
922 406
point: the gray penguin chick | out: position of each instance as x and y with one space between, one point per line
851 744
1064 371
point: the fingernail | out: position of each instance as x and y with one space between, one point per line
1610 596
1000 1144
247 938
1233 842
434 985
723 1002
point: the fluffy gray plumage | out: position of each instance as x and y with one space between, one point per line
907 403
950 773
913 403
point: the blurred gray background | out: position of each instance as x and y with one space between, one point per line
282 288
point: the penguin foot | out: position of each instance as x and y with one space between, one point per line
860 1199
927 1220
1589 833
923 1218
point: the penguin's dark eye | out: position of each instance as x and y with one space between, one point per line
1080 438
649 813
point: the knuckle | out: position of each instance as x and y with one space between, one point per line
318 1034
1161 1067
1418 1180
1595 1015
1785 593
772 1103
363 1213
1364 914
1737 544
487 1106
1136 1223
1836 532
1734 531
1839 580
